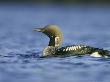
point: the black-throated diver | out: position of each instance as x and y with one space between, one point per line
54 47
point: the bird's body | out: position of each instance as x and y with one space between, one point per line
54 47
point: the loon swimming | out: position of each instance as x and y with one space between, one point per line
54 47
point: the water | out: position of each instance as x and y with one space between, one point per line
20 46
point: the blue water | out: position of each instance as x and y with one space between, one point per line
20 46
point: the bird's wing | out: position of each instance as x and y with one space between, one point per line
82 50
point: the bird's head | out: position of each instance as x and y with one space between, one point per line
54 33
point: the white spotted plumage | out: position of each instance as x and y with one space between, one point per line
63 49
73 48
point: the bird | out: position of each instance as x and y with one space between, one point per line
55 48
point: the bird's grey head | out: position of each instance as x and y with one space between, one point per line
54 33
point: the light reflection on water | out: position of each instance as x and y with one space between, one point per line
20 46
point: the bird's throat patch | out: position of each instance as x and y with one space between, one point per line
57 40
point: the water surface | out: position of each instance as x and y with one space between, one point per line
20 46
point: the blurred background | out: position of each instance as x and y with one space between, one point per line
84 22
58 1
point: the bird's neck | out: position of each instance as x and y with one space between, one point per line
55 41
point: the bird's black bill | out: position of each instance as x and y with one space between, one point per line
38 29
